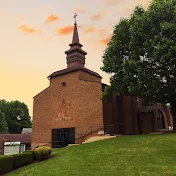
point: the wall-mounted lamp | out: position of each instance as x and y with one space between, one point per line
63 83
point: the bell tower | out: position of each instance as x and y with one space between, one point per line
75 55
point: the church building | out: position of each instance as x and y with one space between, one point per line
71 104
71 109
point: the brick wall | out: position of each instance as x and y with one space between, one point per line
78 102
121 112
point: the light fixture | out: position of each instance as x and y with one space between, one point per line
63 83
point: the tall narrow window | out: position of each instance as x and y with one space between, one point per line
117 99
160 120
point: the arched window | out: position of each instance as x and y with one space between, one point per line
160 120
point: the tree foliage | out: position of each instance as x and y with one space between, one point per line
141 55
16 115
3 123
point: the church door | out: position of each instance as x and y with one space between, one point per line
66 137
57 138
62 137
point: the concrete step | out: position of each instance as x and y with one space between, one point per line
69 145
98 138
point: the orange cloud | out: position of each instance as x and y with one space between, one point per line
79 9
106 40
90 29
52 18
98 16
28 30
64 30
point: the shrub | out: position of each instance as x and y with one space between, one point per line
6 163
22 159
42 152
33 154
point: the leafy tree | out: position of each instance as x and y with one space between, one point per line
141 55
3 124
16 115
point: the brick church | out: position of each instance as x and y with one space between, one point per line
71 109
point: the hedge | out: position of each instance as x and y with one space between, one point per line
33 154
6 163
22 159
10 162
42 152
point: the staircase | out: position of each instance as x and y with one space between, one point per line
95 138
98 138
96 133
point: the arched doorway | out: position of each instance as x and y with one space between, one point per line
160 120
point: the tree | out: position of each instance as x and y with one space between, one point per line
16 115
3 124
141 55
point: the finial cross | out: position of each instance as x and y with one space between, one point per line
75 16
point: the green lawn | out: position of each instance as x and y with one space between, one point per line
149 155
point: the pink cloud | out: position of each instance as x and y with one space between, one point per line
90 29
106 40
79 9
52 18
28 30
64 30
98 16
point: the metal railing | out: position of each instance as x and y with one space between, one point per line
79 138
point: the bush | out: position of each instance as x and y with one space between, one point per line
22 159
42 152
33 154
6 163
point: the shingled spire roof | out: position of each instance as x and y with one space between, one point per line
75 34
75 55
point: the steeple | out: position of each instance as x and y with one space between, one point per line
75 55
75 32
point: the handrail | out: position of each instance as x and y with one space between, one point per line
89 131
83 135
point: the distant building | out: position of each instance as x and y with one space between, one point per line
22 138
26 131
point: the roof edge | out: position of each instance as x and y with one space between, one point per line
72 69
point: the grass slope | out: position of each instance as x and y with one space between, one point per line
140 155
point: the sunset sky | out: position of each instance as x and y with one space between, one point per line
36 33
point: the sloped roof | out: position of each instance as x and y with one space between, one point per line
72 69
23 138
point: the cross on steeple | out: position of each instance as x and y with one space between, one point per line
75 17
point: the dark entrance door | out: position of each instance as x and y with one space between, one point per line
62 137
160 120
146 123
66 136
